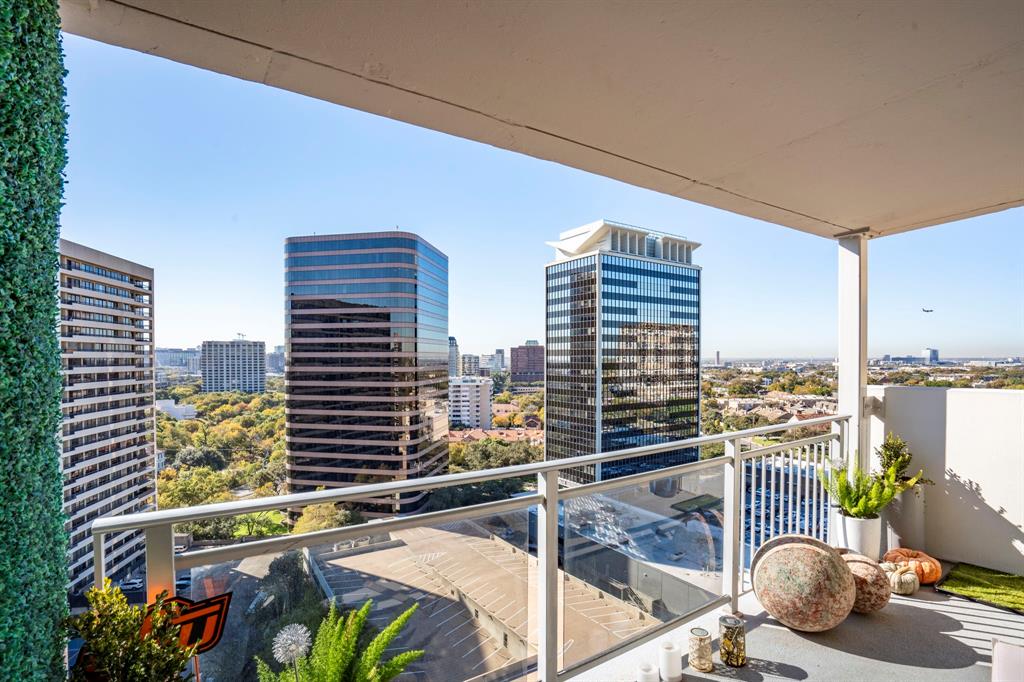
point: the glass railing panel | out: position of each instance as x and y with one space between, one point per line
638 556
473 581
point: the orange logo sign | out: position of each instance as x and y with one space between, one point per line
201 622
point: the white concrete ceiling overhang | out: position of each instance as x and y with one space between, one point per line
822 116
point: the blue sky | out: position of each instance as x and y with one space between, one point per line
202 176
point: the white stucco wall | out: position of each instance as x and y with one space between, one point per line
971 443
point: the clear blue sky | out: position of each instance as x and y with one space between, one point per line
202 176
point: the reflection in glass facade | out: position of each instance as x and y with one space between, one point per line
366 376
623 348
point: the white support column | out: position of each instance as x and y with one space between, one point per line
733 531
853 342
547 578
159 561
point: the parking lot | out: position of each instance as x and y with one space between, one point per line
474 590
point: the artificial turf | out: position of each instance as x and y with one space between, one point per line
985 585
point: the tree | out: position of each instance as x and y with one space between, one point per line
264 522
188 487
503 398
500 381
192 456
286 580
490 453
325 516
740 388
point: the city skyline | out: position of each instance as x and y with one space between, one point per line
202 176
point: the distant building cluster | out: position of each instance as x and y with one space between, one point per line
928 356
185 359
370 382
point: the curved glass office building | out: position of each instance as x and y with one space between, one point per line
623 347
366 376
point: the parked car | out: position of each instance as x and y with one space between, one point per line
133 584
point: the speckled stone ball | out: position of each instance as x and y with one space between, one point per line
872 584
803 583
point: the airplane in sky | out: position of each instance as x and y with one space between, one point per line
927 310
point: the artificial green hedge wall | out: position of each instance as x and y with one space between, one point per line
32 156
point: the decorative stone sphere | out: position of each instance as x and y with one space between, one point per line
803 583
871 582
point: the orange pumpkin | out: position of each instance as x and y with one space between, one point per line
928 570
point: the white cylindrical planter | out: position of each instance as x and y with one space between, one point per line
904 520
863 536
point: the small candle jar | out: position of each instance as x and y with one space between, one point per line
732 641
670 662
700 650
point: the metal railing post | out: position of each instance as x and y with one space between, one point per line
843 426
99 560
159 561
731 564
547 577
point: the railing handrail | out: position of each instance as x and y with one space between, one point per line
113 524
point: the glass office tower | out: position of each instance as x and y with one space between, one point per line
623 347
366 377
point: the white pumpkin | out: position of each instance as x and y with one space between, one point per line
902 579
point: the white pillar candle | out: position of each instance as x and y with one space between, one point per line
670 662
646 672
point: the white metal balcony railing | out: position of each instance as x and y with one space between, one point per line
766 491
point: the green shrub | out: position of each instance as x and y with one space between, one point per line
114 647
895 454
32 157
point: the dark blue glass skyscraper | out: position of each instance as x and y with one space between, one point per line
623 347
366 376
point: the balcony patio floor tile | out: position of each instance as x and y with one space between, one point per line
928 636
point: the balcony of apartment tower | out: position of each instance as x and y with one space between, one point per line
851 122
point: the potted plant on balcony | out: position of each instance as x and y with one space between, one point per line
114 647
340 651
858 498
904 518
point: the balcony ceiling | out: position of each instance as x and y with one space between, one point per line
825 117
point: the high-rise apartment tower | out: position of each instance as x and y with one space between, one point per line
366 377
237 365
623 347
108 438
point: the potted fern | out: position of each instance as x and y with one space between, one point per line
858 498
904 518
337 654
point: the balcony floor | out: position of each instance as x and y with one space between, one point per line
928 636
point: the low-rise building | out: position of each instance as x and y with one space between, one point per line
531 436
175 410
